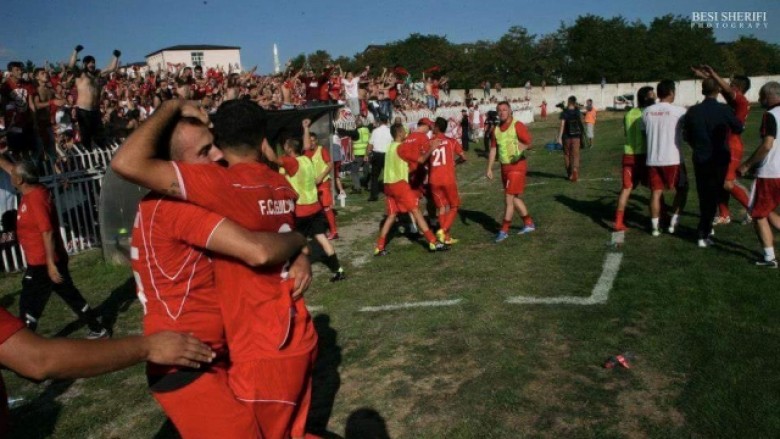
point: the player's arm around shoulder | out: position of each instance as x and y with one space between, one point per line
136 160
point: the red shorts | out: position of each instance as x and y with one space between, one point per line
513 177
765 197
634 171
325 194
278 391
400 198
664 177
206 408
736 159
337 169
445 195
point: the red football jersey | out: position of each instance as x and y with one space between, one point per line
260 317
36 215
442 161
174 276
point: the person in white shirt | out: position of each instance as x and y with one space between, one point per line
766 193
663 126
377 147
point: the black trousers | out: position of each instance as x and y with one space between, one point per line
377 169
710 176
90 127
37 288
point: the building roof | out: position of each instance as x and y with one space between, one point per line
194 47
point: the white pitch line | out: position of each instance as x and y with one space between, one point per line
599 295
427 304
315 308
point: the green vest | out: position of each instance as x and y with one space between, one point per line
635 137
396 168
360 145
320 165
303 181
508 145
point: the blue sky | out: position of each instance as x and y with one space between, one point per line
49 29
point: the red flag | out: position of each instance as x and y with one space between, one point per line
432 69
399 70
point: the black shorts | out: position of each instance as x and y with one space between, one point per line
312 225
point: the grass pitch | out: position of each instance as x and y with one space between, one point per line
702 324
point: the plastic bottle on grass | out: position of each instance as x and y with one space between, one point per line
623 360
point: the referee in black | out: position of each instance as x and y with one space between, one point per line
706 128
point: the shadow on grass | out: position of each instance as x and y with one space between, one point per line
600 210
39 417
118 301
541 174
366 423
326 380
167 431
9 299
474 216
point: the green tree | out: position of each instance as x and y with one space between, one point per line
752 57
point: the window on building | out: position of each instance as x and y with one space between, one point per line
197 58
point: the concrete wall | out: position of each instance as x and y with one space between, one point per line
688 93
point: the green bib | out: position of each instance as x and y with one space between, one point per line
319 163
396 168
508 145
360 145
635 138
303 181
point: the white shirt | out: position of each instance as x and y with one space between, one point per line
663 126
381 138
351 87
770 166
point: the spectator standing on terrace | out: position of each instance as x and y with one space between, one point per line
766 195
15 96
38 232
707 127
40 102
465 131
89 92
486 89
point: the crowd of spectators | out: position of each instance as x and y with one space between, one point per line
41 106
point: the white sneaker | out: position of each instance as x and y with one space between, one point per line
704 243
656 232
672 228
721 220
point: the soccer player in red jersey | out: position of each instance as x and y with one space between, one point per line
442 178
323 166
302 176
734 94
175 284
509 141
268 328
402 159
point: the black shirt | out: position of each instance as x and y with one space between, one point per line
707 126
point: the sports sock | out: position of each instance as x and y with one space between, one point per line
429 236
505 226
675 219
740 194
654 222
769 254
527 220
443 221
331 220
449 217
380 243
723 210
332 262
619 217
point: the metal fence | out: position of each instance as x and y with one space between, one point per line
75 181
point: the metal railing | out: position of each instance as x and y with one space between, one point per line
75 182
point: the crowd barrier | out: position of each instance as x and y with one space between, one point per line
75 182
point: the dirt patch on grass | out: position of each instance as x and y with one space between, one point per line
652 403
398 384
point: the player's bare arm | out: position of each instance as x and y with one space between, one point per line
758 155
136 160
39 358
